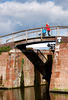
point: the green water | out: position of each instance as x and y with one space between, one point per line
31 93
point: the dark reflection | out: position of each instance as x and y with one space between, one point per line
31 93
42 93
14 94
35 93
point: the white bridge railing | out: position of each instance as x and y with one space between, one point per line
33 33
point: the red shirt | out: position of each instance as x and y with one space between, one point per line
48 29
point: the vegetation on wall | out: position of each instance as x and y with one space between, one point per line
36 77
61 42
5 49
22 75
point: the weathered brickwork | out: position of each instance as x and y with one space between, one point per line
59 77
11 72
11 44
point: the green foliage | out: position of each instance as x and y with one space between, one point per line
5 49
14 66
0 53
9 54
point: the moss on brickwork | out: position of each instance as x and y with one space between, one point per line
56 89
9 54
5 49
36 77
22 64
61 42
22 75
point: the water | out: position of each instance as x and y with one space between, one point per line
31 93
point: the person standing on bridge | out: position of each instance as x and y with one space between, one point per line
43 32
48 28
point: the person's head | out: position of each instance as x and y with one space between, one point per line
46 23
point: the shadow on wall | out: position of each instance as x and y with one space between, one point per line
43 67
48 68
1 80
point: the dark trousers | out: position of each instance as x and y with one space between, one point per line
48 33
43 34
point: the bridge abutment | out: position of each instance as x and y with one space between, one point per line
59 77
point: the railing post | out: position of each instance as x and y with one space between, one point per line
36 34
0 40
14 57
67 32
51 32
13 37
41 34
26 35
58 31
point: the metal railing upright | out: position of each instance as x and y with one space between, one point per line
33 33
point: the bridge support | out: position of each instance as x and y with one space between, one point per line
59 80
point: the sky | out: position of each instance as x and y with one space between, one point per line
16 15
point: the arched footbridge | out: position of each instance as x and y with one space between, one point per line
23 38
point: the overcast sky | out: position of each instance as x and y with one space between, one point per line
16 15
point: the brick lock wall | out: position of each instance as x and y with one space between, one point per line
3 63
10 69
59 77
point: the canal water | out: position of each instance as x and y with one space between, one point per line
31 93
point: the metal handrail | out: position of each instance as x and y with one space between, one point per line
22 35
33 30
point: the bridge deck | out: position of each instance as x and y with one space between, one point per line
36 40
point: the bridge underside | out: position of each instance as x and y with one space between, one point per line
36 40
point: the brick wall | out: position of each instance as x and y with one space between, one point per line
10 69
59 77
11 44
